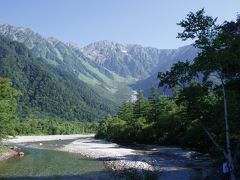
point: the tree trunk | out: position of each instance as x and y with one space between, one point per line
227 133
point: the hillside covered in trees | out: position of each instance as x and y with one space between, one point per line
46 90
12 124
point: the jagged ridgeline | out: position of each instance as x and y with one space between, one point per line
47 89
63 80
107 66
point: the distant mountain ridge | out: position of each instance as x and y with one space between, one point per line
181 54
135 60
105 65
53 51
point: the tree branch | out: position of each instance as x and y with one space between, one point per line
215 142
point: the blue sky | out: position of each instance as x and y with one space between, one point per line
146 22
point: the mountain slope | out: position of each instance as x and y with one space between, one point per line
186 53
69 58
135 60
125 60
48 89
106 66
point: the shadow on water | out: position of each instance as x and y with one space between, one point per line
101 175
94 175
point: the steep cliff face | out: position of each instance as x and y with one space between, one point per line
135 60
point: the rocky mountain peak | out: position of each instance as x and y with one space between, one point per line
72 45
126 60
52 40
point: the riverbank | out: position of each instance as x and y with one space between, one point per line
6 153
165 161
117 157
169 162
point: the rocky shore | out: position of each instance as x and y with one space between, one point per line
8 153
167 162
115 156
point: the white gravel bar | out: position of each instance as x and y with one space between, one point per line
116 157
24 139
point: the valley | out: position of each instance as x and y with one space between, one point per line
107 68
119 90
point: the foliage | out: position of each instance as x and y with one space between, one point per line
7 107
198 102
143 121
179 74
219 58
53 127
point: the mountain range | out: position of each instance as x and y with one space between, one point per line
110 71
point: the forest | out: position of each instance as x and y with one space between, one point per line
12 124
36 98
204 111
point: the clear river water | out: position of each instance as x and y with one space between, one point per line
42 161
46 163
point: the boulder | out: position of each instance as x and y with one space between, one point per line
20 153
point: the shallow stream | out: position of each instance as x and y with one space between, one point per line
46 163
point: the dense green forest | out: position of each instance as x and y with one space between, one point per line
163 120
8 106
204 112
53 127
46 90
11 124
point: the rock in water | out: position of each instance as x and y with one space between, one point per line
20 153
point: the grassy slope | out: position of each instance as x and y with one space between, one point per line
117 88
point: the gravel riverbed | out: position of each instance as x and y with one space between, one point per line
168 162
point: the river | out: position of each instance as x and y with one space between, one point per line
43 160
